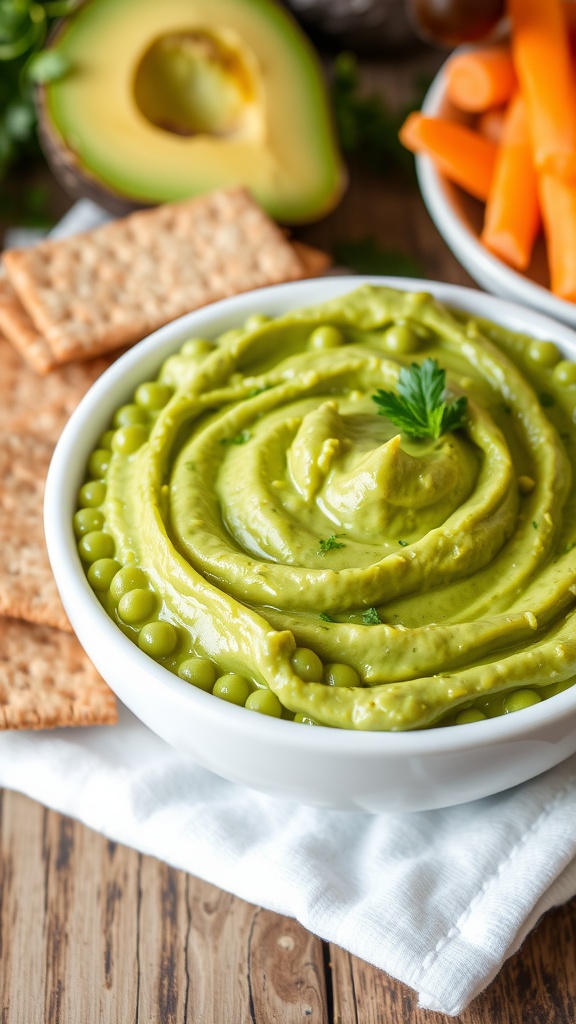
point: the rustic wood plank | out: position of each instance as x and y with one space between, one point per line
91 925
22 910
163 925
286 972
217 955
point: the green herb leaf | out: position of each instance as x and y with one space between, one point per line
370 617
240 438
330 544
325 617
419 408
47 66
403 543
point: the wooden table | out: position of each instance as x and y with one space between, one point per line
94 933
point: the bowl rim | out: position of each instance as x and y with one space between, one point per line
436 191
93 414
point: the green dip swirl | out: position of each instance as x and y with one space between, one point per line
253 523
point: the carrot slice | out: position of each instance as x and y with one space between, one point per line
480 79
541 53
558 201
490 124
463 155
512 216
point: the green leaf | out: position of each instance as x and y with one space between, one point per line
365 256
370 617
418 408
240 438
47 66
330 544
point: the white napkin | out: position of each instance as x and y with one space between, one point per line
438 899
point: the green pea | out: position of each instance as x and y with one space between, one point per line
325 337
255 321
101 573
95 545
106 440
565 372
129 578
98 463
232 687
130 415
158 639
92 494
341 675
199 672
543 353
265 702
128 440
196 347
136 606
307 665
519 699
400 338
152 395
87 519
468 715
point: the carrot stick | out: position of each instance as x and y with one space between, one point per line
490 124
459 152
512 216
558 201
480 79
541 53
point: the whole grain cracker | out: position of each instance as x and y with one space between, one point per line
19 329
46 680
27 587
27 400
99 290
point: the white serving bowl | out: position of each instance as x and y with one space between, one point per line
371 771
459 218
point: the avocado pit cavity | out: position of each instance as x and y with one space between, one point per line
195 82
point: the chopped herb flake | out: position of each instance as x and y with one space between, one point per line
325 617
330 544
240 438
534 524
370 617
403 543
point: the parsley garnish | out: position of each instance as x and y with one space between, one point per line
534 524
370 617
329 544
325 617
419 408
240 438
403 543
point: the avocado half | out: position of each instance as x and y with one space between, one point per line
167 100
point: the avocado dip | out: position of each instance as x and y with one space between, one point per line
255 523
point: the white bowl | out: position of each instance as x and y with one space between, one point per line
459 218
371 771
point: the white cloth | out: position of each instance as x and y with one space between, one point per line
438 899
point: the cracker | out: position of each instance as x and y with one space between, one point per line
27 587
19 329
315 261
46 680
99 290
24 395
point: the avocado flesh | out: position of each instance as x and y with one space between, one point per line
165 101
